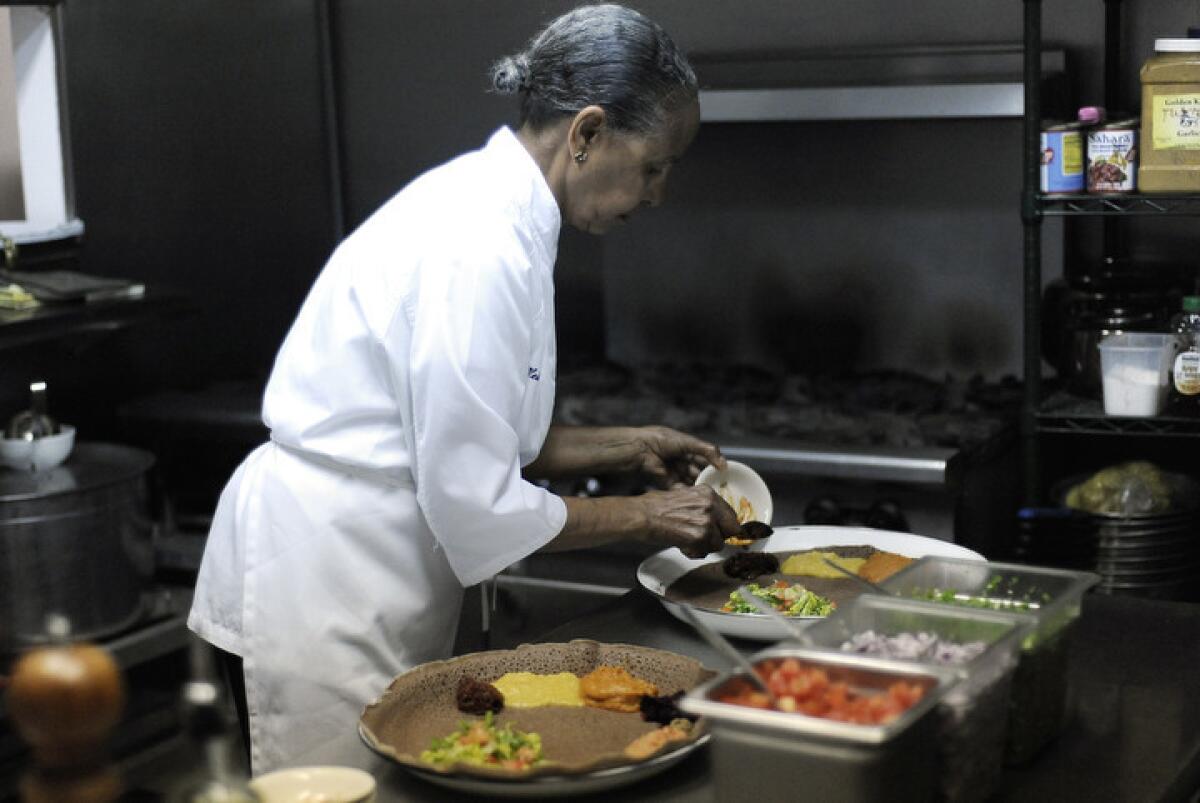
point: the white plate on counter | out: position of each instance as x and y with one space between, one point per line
657 572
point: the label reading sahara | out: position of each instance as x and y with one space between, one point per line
1112 160
1176 122
1187 372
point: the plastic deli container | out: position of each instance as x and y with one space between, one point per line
1052 597
973 714
760 754
1135 367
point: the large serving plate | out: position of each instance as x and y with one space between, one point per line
420 705
560 785
659 571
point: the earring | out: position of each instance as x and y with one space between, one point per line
581 157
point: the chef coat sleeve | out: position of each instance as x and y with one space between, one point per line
461 347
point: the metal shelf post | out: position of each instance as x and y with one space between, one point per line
1031 217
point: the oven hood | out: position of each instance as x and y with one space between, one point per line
949 81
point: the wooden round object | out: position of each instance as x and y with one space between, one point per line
64 701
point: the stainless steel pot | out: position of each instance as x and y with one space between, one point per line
1152 555
77 541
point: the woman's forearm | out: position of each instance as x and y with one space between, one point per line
571 451
592 522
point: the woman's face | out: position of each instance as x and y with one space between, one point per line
625 171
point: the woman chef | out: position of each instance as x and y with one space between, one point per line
410 403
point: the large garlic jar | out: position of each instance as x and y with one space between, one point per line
1171 117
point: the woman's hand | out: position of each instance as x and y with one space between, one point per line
694 518
671 458
661 454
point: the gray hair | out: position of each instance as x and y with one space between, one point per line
604 55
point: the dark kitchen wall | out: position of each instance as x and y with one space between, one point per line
413 93
809 245
201 166
201 163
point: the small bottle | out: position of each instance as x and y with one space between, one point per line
206 722
1185 383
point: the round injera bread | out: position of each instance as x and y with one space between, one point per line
419 706
708 586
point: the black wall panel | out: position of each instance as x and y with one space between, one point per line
200 165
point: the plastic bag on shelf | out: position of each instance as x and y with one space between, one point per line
1137 488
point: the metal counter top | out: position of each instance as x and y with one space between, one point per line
1132 733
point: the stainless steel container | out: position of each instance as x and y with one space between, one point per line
77 541
774 755
973 714
1050 598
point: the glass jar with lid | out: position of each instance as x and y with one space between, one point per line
1171 116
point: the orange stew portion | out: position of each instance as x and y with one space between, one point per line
808 690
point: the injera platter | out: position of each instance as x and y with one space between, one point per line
419 706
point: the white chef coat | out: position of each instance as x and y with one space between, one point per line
415 382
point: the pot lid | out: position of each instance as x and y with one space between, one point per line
90 466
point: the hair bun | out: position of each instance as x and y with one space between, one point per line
511 74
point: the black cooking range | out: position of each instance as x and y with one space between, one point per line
887 408
887 449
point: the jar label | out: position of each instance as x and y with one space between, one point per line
1112 160
1187 372
1072 155
1176 122
1062 161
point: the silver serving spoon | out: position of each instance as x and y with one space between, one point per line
784 623
867 583
721 645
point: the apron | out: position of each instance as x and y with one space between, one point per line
344 587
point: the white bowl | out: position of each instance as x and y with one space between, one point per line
315 785
738 481
41 454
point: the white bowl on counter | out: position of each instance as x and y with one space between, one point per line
315 785
39 454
